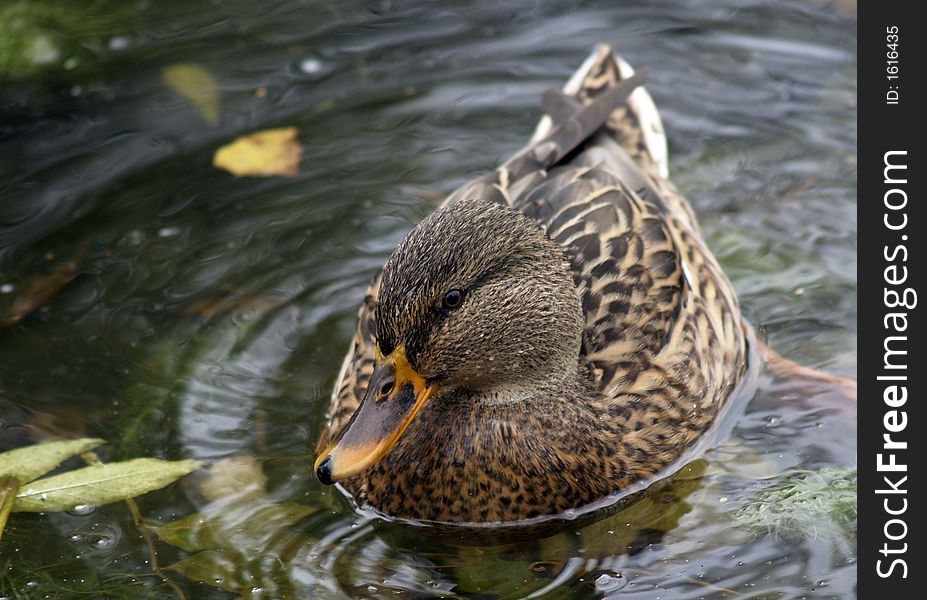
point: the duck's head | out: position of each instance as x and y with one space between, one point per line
476 298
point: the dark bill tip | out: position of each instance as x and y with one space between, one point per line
324 472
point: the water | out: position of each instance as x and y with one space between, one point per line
177 311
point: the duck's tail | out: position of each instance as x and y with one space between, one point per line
635 125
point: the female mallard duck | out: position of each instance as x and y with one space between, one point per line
556 331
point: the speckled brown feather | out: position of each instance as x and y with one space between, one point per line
662 345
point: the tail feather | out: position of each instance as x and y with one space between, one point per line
636 125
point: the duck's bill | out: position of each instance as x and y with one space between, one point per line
395 395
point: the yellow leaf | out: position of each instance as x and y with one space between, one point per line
197 85
268 152
234 477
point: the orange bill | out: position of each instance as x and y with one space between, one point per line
395 395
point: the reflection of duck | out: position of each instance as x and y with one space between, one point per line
556 331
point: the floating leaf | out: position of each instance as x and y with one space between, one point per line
8 487
101 484
269 152
234 303
197 85
31 462
36 290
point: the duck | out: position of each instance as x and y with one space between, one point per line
555 332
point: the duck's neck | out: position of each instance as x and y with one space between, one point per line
571 386
470 452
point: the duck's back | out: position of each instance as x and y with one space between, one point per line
661 316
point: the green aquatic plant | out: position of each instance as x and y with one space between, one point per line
36 35
804 504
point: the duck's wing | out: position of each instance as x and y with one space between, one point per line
660 313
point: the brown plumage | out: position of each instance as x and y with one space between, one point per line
596 340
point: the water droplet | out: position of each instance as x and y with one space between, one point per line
166 232
6 288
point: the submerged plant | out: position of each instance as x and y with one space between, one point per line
809 504
38 35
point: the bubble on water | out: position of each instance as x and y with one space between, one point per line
6 288
83 509
608 581
118 42
310 66
166 232
104 542
75 538
135 237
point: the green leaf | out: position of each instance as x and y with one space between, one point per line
101 484
8 487
196 84
249 524
241 546
31 462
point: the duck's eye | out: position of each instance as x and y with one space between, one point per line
452 299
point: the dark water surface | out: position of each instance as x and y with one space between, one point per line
177 311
